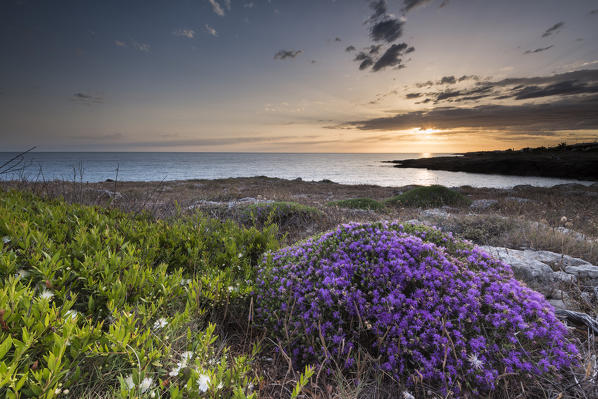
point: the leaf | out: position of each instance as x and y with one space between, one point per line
5 346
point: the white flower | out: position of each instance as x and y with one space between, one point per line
129 382
22 273
185 357
186 281
203 383
66 392
46 294
153 394
57 391
160 323
230 288
145 384
475 362
407 395
72 314
240 255
563 219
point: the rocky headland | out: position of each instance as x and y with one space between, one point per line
577 161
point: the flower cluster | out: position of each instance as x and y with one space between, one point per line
431 308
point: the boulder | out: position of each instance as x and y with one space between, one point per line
482 204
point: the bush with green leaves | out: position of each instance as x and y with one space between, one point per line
358 203
96 302
281 213
429 196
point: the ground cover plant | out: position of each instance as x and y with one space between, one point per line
433 311
429 196
358 203
98 303
281 213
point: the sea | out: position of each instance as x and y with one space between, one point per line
165 166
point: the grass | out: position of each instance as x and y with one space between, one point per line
358 203
429 196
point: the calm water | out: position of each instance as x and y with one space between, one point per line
340 168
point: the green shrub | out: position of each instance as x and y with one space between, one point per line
429 196
358 203
280 213
96 301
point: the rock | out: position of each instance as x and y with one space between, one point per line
483 204
107 194
585 273
434 212
557 303
109 181
545 271
521 187
569 186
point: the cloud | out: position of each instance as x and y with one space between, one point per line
188 33
538 50
284 54
565 84
448 80
119 43
350 48
410 96
141 46
87 99
387 30
338 39
390 58
211 30
227 4
468 77
553 29
217 8
593 12
575 114
411 4
248 5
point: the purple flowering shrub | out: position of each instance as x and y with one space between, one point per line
431 309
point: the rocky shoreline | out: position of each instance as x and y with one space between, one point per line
579 161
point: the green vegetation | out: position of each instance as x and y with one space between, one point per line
95 302
358 203
429 196
280 213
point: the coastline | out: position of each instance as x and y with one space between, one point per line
578 161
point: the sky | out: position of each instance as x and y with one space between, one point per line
297 75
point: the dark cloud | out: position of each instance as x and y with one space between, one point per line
553 29
337 39
450 80
593 12
284 54
391 58
575 114
538 50
424 84
468 77
379 8
411 4
387 30
350 48
565 88
565 84
410 96
87 99
364 59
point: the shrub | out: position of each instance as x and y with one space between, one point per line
280 213
104 303
358 203
429 196
431 309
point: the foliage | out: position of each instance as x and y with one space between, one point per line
358 203
431 309
280 213
96 297
429 196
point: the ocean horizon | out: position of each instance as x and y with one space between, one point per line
343 168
